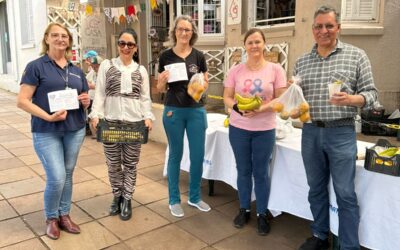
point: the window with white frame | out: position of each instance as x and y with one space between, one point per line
26 18
209 15
360 10
272 12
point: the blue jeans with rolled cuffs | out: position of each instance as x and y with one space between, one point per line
176 121
58 152
252 150
332 152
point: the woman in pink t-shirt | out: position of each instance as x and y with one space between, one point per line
252 133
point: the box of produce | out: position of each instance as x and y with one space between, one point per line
383 158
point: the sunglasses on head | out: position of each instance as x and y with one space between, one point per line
130 45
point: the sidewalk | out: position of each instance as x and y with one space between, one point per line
22 182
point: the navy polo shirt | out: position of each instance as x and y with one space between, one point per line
47 76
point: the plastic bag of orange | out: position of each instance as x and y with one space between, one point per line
196 86
292 104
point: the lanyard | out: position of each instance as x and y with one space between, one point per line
66 77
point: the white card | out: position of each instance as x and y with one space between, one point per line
63 99
177 72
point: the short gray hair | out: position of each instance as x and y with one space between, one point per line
327 9
172 31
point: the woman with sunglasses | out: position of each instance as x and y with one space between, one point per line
122 95
182 113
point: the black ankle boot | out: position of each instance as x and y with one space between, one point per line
126 209
242 218
263 225
115 207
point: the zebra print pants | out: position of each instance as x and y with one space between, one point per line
122 159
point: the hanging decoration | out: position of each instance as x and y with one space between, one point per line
120 15
89 10
153 4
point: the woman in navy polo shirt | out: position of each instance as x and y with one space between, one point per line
57 136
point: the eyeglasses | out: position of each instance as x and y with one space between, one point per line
130 45
57 35
181 30
328 27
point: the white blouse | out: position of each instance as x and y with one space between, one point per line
119 107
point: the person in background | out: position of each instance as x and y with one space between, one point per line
57 136
87 56
252 132
329 144
122 95
91 77
183 114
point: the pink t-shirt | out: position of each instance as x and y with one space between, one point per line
249 83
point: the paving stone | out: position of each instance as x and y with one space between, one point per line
13 231
16 174
155 173
150 192
92 236
6 211
81 175
169 237
209 227
11 163
28 203
17 144
91 160
24 187
89 189
98 171
30 159
38 168
143 220
151 160
33 244
29 150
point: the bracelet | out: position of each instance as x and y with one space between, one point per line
235 107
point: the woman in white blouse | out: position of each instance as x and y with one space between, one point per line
122 94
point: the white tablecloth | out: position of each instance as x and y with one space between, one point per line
378 194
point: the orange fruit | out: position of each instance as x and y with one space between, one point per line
284 115
294 113
305 117
304 107
277 107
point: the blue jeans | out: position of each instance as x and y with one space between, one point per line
252 150
332 152
176 121
58 152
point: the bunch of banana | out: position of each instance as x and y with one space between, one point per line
248 103
390 152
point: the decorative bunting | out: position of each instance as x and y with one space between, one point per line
89 10
107 13
131 10
153 4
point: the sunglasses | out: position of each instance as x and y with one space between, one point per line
130 45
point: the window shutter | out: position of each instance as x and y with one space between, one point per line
26 18
359 10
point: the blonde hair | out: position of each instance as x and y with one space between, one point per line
45 46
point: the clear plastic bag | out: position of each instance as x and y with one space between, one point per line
292 104
196 86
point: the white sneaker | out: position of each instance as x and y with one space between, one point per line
201 205
176 210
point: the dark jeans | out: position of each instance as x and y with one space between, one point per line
252 150
332 152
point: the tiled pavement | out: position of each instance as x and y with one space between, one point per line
22 182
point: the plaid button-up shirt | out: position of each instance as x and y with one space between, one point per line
346 63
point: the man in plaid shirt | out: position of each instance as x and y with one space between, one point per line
329 144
